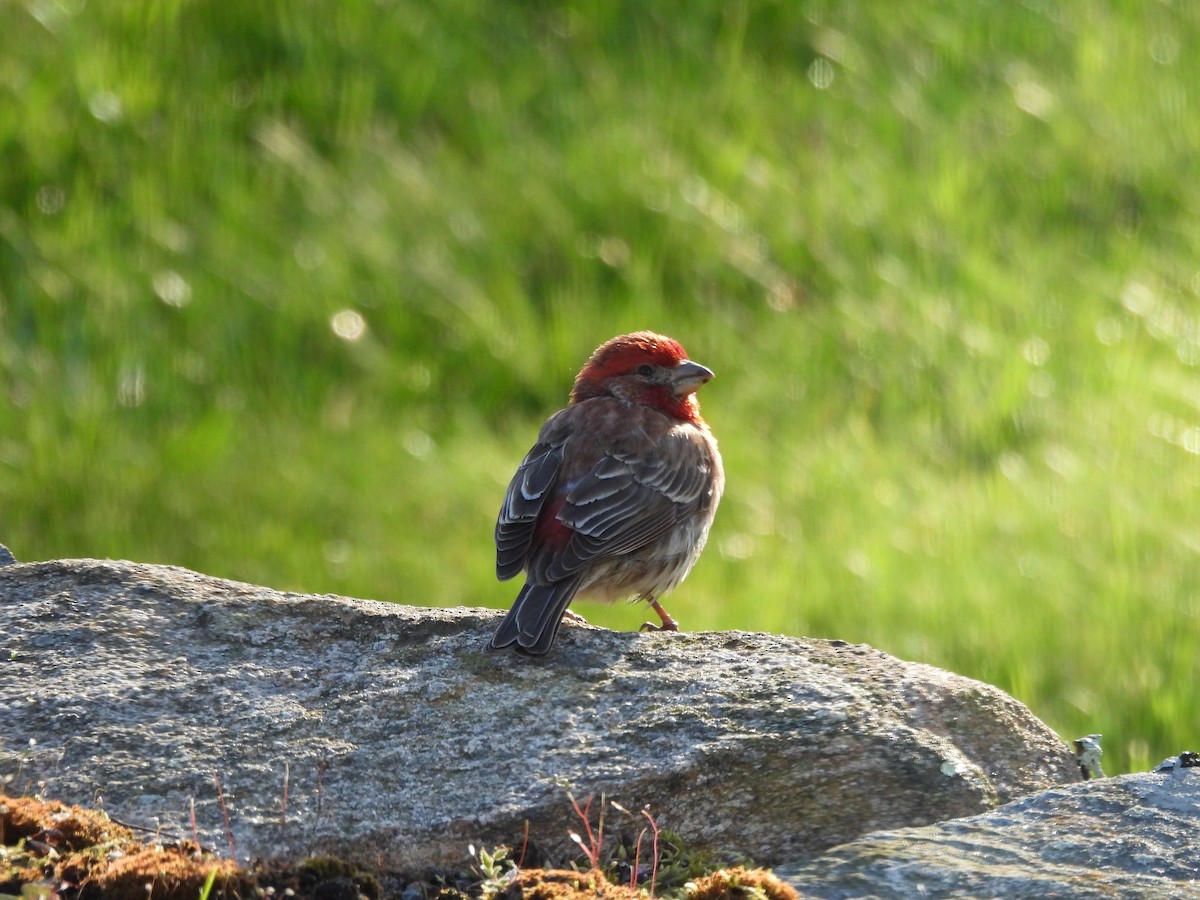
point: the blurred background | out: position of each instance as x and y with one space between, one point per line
287 288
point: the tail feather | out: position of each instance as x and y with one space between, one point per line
533 621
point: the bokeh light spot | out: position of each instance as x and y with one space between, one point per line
348 324
172 289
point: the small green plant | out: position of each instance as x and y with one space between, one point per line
206 888
495 869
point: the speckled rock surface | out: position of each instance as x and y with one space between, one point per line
400 738
1134 836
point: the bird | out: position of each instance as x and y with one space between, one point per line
616 498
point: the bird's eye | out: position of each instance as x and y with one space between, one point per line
645 371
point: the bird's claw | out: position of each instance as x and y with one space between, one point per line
573 617
668 624
650 626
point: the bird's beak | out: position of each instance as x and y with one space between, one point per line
687 376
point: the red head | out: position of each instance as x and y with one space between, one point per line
645 368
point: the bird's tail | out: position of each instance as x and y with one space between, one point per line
537 612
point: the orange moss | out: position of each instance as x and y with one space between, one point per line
564 884
85 850
739 883
55 824
159 873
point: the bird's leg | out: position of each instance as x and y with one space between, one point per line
573 617
668 624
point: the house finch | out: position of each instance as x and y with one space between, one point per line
616 498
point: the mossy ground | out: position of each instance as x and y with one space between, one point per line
67 851
53 850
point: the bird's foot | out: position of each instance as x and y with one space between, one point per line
573 617
668 624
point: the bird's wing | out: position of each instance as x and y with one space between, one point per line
631 496
526 495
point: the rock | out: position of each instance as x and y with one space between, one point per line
6 557
1133 836
388 735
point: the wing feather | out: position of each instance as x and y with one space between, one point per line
523 502
627 501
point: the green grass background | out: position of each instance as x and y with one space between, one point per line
944 258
